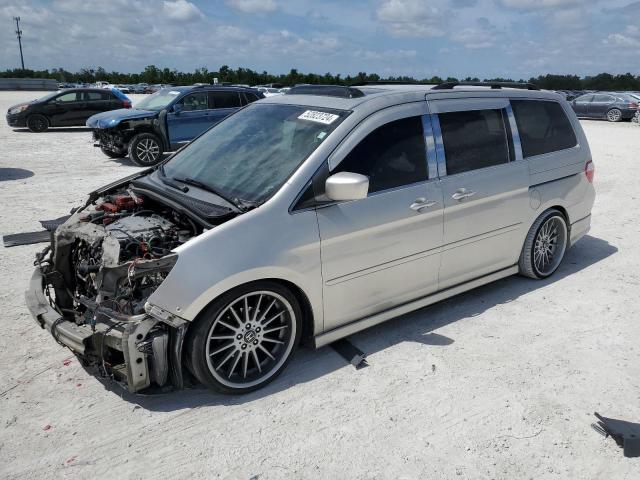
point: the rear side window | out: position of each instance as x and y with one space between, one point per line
92 96
391 156
224 99
584 99
474 139
543 127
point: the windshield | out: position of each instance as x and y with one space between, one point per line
249 155
158 100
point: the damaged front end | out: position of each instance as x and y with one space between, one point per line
91 285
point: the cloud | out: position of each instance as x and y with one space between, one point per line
253 6
473 38
630 38
181 11
411 18
464 3
386 55
394 37
539 4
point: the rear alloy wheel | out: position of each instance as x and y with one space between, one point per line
113 154
614 115
37 123
145 150
245 339
544 246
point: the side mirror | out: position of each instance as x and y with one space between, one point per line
177 108
345 186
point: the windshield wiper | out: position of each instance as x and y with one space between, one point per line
215 191
167 181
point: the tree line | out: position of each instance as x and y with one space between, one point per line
154 75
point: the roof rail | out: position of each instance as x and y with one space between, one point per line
493 85
366 84
326 90
209 85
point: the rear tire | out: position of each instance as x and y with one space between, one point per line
37 123
245 338
545 245
145 150
112 154
614 115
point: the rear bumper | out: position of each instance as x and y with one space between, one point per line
131 337
579 229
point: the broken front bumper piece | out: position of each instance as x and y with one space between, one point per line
149 354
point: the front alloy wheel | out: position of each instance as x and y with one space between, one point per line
145 150
248 339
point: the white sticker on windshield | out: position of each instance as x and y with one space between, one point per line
320 117
174 92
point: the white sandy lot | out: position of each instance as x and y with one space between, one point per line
498 383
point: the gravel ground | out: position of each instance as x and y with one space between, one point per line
498 383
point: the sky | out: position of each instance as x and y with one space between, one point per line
420 38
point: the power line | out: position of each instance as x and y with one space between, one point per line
19 34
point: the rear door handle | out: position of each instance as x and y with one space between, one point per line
421 203
462 193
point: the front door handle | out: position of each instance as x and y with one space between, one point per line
421 203
462 193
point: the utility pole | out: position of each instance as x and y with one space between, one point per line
19 34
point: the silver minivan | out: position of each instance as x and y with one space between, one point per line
308 217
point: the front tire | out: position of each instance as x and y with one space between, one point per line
112 154
37 123
145 150
614 115
244 339
545 245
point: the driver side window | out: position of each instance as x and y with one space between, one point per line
392 156
67 97
194 101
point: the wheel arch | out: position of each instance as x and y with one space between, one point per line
562 210
308 318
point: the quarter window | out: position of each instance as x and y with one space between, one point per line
543 127
474 139
391 156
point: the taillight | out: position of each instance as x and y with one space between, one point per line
127 104
589 170
633 105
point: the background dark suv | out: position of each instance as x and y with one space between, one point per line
166 120
66 108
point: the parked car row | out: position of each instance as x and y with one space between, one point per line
166 120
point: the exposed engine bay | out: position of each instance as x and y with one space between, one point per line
101 267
